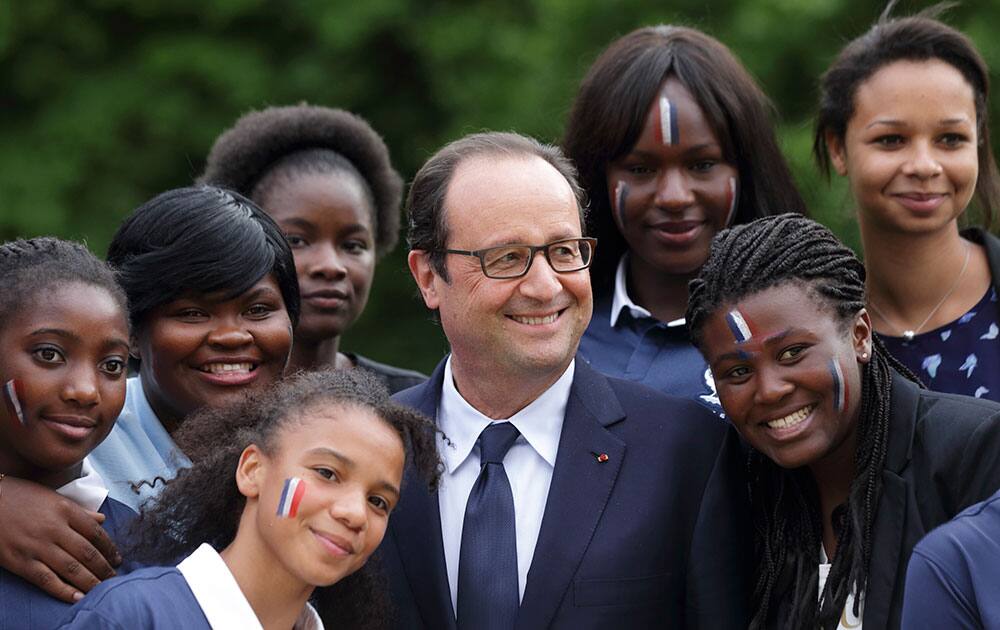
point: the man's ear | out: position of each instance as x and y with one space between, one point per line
835 149
249 472
424 275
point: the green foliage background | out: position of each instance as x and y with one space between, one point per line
107 102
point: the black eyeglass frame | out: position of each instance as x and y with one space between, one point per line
534 249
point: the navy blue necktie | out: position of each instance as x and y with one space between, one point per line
487 565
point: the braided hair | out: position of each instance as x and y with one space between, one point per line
266 148
746 260
204 505
29 267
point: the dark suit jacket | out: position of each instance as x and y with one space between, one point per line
656 536
943 456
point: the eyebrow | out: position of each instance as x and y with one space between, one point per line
66 334
253 294
349 463
297 221
890 122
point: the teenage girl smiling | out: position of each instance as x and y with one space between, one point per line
904 117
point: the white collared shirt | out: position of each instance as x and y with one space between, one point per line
848 621
220 597
529 464
88 490
620 298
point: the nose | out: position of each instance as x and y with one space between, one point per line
541 283
772 387
673 191
922 162
350 509
324 262
229 333
81 387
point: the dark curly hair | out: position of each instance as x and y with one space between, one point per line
29 267
746 260
921 37
610 109
203 504
271 146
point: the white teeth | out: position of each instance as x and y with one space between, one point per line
791 419
227 368
534 321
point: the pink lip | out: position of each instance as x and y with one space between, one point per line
326 299
72 427
920 203
678 232
335 545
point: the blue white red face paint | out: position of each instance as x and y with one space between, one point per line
668 131
731 198
12 392
738 326
621 197
291 496
839 386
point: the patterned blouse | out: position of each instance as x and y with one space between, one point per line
962 357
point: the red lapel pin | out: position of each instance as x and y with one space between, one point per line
601 458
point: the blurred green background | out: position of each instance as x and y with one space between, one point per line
107 102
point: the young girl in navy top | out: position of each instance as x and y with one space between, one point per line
289 490
63 351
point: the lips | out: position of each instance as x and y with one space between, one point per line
537 319
229 371
677 232
326 299
72 426
336 545
920 202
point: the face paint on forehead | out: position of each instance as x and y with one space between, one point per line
839 386
12 393
621 197
739 326
291 496
668 132
731 198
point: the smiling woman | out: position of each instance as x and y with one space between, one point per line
288 491
851 462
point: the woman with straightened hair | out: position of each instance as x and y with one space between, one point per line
325 177
213 299
851 462
674 141
904 116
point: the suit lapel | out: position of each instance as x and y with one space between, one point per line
416 525
580 489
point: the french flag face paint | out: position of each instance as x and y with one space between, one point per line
739 327
731 198
12 397
839 386
621 197
668 134
291 496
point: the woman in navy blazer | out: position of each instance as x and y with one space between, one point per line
851 459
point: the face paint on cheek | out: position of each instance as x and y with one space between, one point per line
731 199
839 386
12 392
738 326
621 196
669 134
291 496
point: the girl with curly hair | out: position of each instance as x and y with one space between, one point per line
324 175
288 491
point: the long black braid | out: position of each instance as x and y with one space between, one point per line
746 260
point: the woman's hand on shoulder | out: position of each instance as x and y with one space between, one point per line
52 542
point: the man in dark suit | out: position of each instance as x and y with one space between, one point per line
569 499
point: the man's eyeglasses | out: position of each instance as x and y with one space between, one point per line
513 261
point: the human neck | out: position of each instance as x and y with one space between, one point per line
276 597
500 395
833 476
909 274
665 296
314 354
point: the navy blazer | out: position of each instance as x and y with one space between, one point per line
655 536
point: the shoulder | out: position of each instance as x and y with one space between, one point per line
966 539
134 598
396 379
945 418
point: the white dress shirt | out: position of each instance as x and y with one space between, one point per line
529 464
88 490
220 597
620 298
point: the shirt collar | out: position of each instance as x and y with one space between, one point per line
540 423
621 300
220 597
88 490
